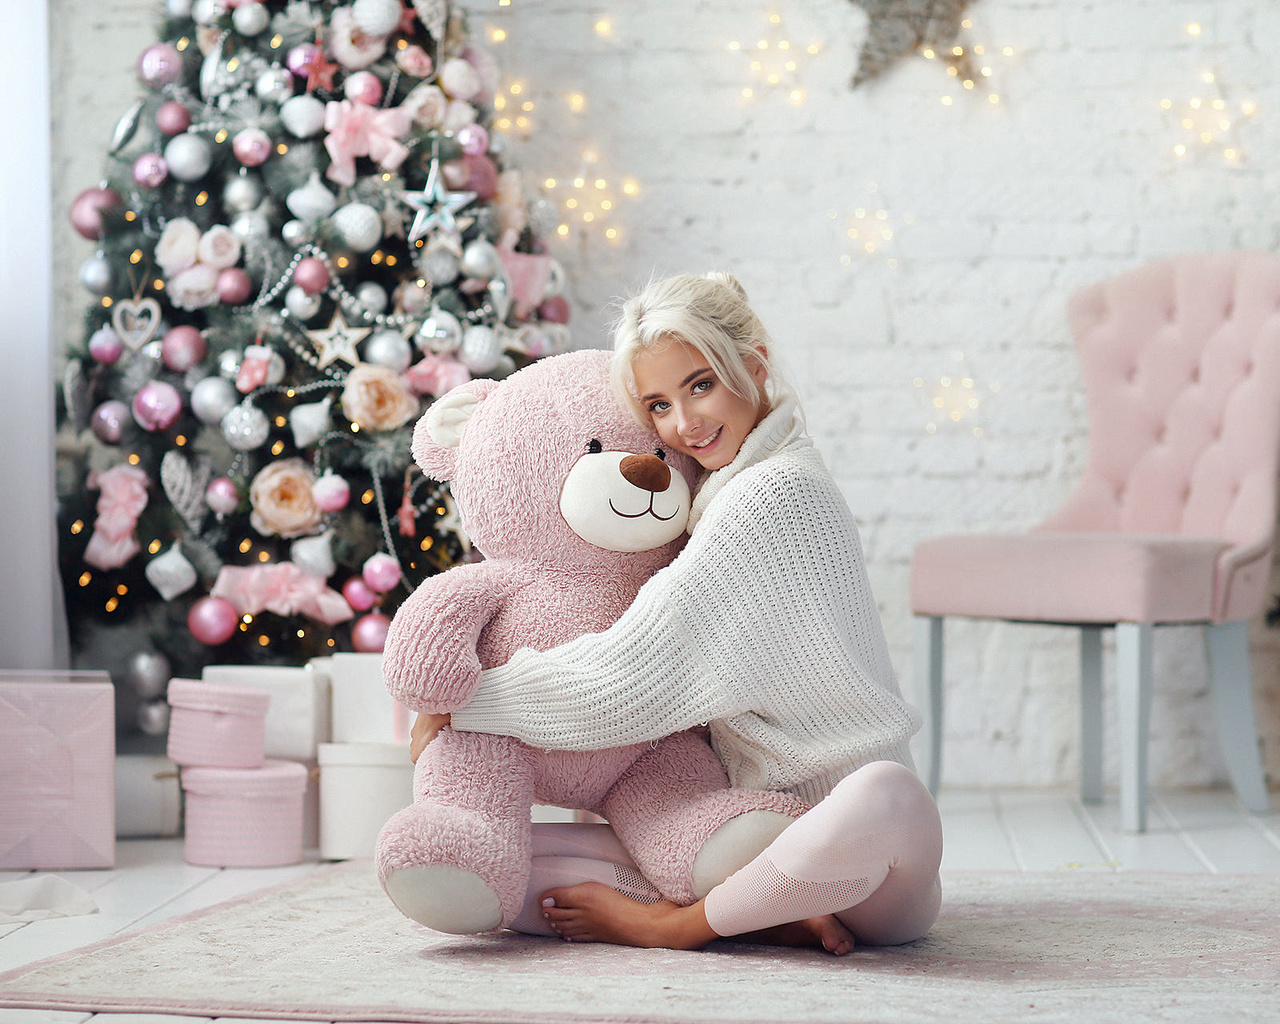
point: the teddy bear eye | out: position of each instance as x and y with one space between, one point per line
594 447
660 453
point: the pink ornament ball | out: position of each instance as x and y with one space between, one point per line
299 59
234 286
108 420
89 208
105 346
172 118
251 147
222 495
381 572
159 65
331 493
363 87
359 594
555 309
156 406
182 348
369 634
473 139
482 175
311 275
212 621
150 170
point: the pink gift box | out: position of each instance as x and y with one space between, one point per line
57 770
216 725
244 817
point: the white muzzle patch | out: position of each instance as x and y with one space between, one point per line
623 510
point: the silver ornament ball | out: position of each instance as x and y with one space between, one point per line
212 398
188 156
359 226
153 717
300 304
371 296
97 276
245 427
480 260
229 364
274 85
147 673
295 233
389 349
251 224
440 332
250 19
480 350
439 267
242 192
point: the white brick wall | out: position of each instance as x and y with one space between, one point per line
1000 212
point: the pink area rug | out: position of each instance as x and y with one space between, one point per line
1026 948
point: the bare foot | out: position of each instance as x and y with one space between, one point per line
826 932
593 912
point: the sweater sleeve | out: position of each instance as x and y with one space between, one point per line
640 680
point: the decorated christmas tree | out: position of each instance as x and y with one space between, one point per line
305 231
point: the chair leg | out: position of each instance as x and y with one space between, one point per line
1231 683
1133 690
927 669
1091 728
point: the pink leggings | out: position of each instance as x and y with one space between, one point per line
868 853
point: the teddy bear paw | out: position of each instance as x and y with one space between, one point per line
444 898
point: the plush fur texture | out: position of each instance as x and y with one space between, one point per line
508 448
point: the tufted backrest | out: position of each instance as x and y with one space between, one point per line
1181 366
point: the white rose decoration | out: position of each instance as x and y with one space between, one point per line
219 247
176 249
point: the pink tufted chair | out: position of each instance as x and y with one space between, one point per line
1172 521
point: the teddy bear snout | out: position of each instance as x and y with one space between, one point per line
646 471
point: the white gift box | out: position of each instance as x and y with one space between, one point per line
363 711
148 796
297 719
361 786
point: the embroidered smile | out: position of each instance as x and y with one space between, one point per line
638 515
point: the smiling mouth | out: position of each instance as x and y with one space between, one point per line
640 515
703 444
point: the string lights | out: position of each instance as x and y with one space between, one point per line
869 231
589 200
971 66
954 400
775 60
1208 122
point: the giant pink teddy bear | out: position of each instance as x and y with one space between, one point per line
574 506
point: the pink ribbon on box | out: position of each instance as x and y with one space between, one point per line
123 497
282 588
357 129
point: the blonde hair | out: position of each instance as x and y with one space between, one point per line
708 312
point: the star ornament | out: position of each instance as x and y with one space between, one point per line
338 341
900 27
436 206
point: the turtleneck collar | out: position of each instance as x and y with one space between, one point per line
782 427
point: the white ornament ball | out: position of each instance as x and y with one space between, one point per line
371 296
250 19
229 364
376 17
303 115
206 12
188 156
212 398
389 349
171 574
296 233
242 192
245 427
312 201
359 225
300 304
274 85
480 349
413 296
153 717
480 260
178 9
440 332
309 422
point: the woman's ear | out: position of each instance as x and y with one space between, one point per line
758 365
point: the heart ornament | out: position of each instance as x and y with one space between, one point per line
136 321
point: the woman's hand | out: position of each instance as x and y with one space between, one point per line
425 728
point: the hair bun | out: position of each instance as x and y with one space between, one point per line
726 279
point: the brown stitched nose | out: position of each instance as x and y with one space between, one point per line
647 471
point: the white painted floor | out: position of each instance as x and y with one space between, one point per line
1198 832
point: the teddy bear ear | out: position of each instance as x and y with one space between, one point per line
439 432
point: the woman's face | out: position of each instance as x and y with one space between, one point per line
691 408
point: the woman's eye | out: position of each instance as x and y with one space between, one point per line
702 385
658 407
594 447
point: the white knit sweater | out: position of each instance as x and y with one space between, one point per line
765 626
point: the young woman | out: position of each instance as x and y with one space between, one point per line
764 627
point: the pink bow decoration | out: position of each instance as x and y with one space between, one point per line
357 129
123 497
436 374
282 588
529 274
